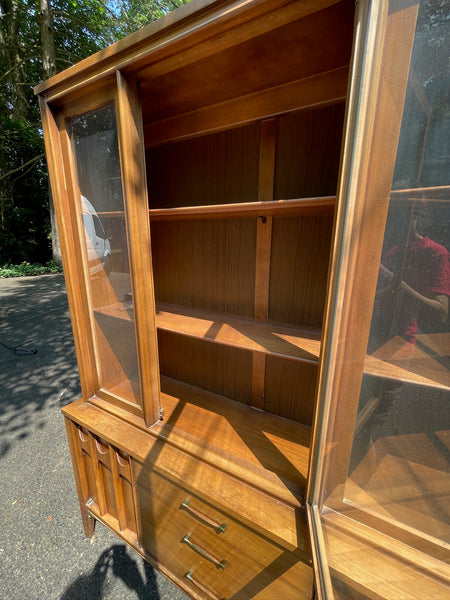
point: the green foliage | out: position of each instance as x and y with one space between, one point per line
24 211
81 27
26 269
131 15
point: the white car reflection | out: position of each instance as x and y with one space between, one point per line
97 241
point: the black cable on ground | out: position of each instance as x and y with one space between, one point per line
18 350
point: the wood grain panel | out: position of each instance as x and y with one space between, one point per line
290 389
251 567
212 367
293 51
298 277
322 89
220 168
308 152
208 265
235 444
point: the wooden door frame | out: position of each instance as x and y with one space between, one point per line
123 92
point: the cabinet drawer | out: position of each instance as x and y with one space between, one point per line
213 554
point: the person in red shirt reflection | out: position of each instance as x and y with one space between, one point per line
412 297
423 285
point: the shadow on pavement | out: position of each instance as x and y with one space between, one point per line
43 552
117 562
38 367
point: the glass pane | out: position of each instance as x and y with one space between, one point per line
96 150
399 466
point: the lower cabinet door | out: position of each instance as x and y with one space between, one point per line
211 553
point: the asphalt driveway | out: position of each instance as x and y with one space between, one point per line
43 552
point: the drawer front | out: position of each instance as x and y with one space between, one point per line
213 554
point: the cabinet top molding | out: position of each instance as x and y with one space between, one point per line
206 22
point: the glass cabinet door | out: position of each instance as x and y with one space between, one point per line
95 149
380 494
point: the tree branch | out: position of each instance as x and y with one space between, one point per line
30 163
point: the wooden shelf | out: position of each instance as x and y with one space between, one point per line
412 363
248 334
266 451
302 344
303 206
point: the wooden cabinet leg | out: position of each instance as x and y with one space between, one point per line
88 521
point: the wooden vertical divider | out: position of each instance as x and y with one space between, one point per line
129 128
118 490
99 483
267 146
258 379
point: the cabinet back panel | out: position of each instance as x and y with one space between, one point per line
290 389
299 268
308 153
207 265
219 369
220 168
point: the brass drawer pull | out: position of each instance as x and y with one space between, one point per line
220 564
201 587
219 528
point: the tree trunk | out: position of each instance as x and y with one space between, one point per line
47 38
10 11
49 69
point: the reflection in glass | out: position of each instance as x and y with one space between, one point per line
96 150
400 467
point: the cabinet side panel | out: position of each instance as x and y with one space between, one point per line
299 270
206 264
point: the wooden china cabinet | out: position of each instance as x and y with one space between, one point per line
253 199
